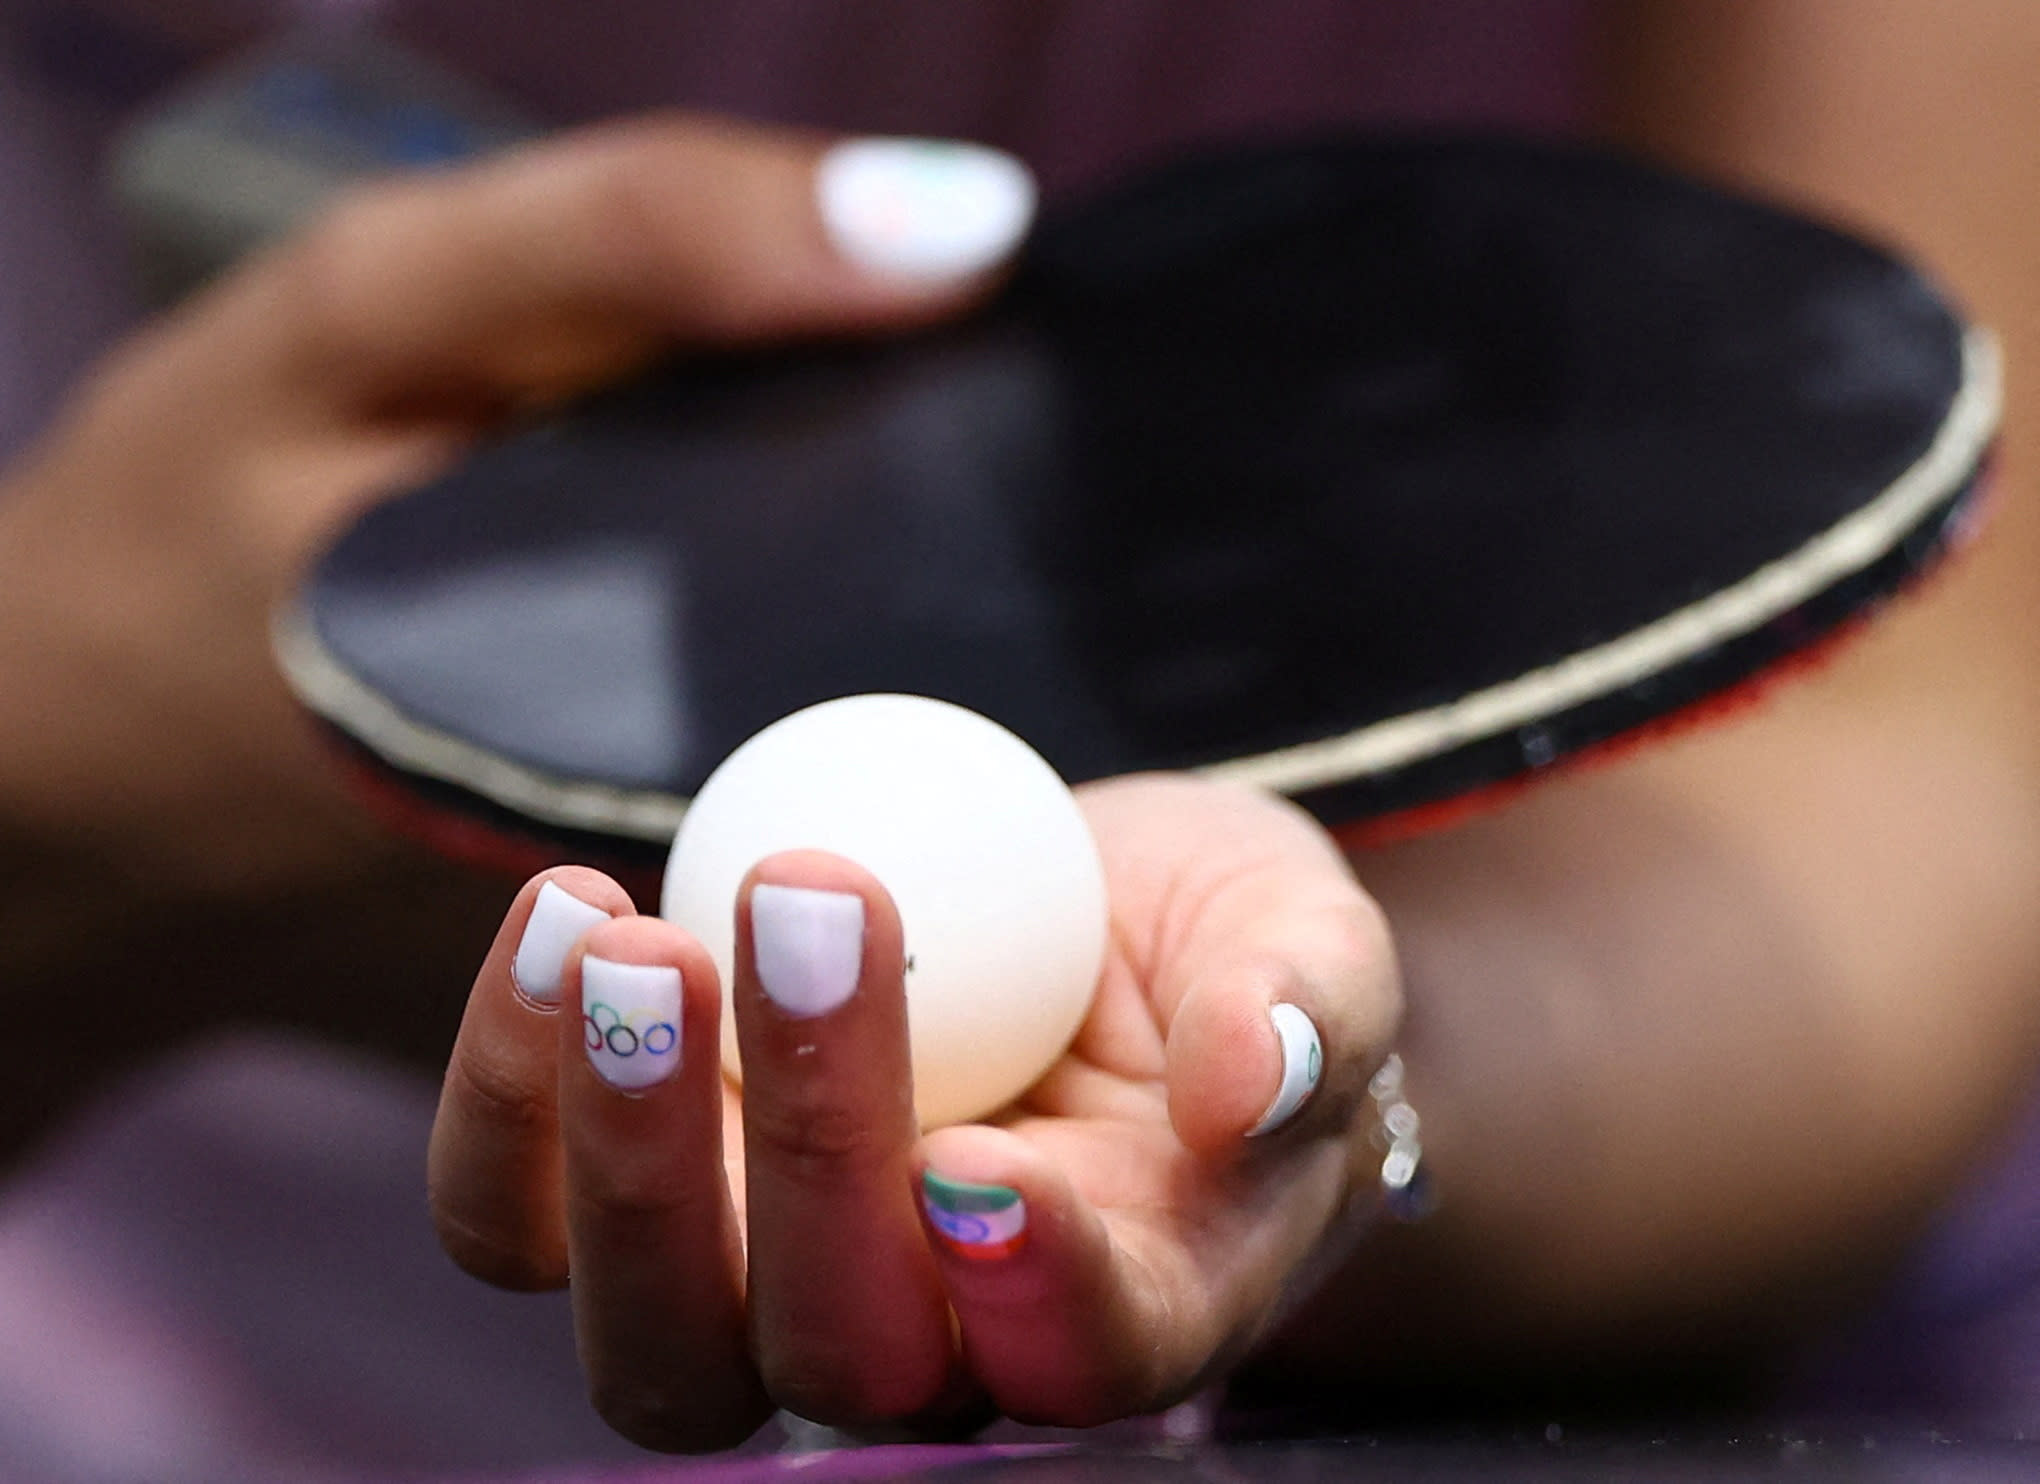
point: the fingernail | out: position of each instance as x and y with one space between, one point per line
558 917
808 946
981 1222
1303 1064
923 208
630 1021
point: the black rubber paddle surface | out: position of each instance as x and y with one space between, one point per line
1380 471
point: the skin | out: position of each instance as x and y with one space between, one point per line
1158 1245
1703 1040
1699 1041
195 475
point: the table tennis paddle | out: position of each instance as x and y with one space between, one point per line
1384 472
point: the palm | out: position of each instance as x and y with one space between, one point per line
1153 1238
1102 1112
1194 871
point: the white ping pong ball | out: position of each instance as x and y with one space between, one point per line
997 879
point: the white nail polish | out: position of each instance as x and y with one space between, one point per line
808 946
558 917
923 208
1303 1066
630 1021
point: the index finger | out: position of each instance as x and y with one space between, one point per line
493 1172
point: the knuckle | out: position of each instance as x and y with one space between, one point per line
816 1134
1372 1002
649 226
698 234
503 1094
626 213
628 1198
1358 935
332 270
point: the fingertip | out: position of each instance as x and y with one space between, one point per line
1303 1065
1258 1038
548 917
973 1183
1058 1323
923 213
649 994
1228 1064
818 870
812 929
653 941
794 233
589 885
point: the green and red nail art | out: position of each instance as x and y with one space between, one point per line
980 1222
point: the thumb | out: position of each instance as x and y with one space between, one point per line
1271 969
416 311
1285 988
541 271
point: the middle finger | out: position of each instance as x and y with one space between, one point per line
658 1266
849 1321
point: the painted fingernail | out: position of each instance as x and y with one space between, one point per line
808 946
923 208
630 1021
1303 1065
980 1222
558 917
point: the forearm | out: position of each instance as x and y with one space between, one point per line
1693 1069
1700 1040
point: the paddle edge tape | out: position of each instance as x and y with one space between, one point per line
368 719
1854 545
1333 775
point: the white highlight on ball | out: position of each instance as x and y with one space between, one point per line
989 860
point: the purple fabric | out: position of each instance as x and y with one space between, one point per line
60 261
1075 86
1957 1340
224 1272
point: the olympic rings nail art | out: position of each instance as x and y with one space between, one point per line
630 1021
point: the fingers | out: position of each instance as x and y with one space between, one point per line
1283 1024
1111 1263
414 312
554 266
657 1257
848 1319
1072 1312
493 1172
1058 1323
1071 1268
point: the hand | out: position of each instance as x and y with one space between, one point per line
731 1254
143 544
